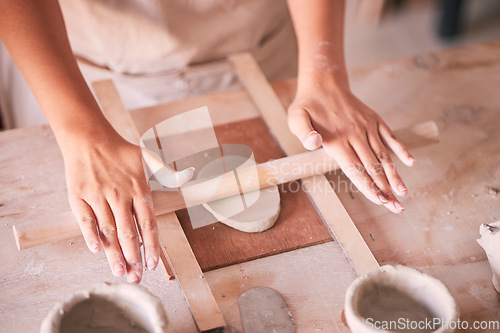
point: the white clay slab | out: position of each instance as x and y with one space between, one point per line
254 211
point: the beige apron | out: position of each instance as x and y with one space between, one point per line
161 50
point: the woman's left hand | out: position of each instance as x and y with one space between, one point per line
355 136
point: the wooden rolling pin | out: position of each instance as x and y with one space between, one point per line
43 231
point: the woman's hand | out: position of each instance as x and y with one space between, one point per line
111 200
326 112
354 135
105 177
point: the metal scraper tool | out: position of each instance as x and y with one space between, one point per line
263 310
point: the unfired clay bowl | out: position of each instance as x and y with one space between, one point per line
109 308
396 299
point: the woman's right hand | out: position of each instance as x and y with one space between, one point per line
111 200
107 189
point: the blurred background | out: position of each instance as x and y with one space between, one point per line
381 30
375 31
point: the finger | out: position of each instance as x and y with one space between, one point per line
388 166
395 145
146 220
353 168
109 238
128 238
88 223
376 172
300 125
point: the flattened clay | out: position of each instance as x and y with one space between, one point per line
258 217
379 300
110 308
490 242
262 209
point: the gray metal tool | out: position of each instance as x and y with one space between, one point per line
263 310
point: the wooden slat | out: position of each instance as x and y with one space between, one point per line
329 206
114 110
202 304
269 105
204 309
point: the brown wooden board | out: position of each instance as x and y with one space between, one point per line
299 225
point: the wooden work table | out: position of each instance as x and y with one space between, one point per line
452 190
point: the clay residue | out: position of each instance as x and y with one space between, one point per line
493 191
462 114
387 304
431 61
426 61
34 268
468 65
97 315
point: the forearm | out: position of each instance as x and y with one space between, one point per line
35 35
325 112
319 26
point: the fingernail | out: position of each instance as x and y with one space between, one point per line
118 269
398 206
133 277
411 159
382 198
313 141
402 188
94 247
151 264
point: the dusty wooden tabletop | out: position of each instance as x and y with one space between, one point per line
453 189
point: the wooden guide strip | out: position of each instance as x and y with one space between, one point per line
327 202
200 299
205 311
274 172
114 110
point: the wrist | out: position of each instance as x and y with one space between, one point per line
321 70
92 130
334 83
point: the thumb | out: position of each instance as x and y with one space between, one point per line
299 123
